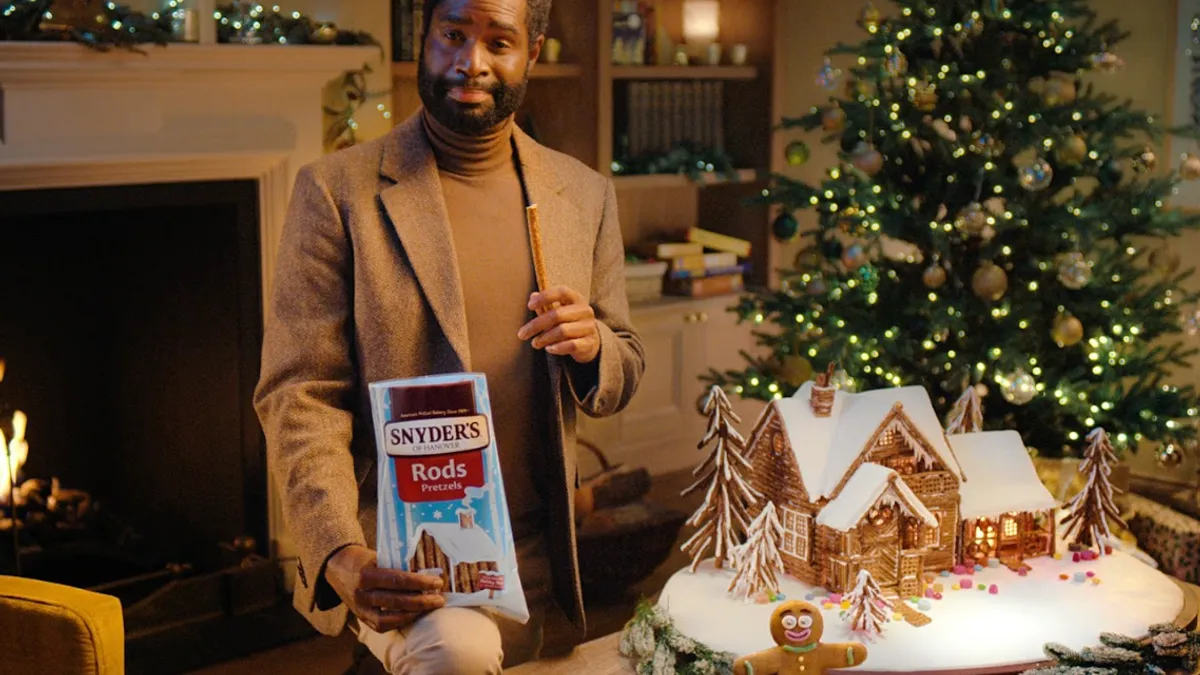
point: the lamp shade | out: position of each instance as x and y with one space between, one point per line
701 22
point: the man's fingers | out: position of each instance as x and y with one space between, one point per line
562 315
564 331
396 580
563 295
382 622
401 602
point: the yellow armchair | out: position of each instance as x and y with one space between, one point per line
47 627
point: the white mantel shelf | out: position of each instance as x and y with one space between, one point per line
53 63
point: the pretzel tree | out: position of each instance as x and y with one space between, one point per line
1088 511
723 518
758 562
967 414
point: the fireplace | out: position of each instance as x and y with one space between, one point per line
131 335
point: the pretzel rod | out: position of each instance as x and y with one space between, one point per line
535 244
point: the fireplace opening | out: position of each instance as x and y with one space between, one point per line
130 328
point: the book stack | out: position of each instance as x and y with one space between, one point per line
708 264
407 20
663 115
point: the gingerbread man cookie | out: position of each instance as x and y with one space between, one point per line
797 627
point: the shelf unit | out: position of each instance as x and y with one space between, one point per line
575 107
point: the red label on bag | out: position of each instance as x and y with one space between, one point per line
438 478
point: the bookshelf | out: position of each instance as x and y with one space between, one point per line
579 106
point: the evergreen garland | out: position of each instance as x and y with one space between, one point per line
1167 650
650 639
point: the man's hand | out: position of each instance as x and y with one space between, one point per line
565 325
381 598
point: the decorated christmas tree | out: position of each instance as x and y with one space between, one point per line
757 561
993 217
722 519
967 414
1086 522
868 609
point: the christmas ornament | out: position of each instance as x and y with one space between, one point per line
1073 150
796 370
867 159
1146 161
1107 62
834 119
1067 330
785 227
1059 91
869 18
797 153
854 257
1165 261
1036 175
1109 173
868 277
989 282
828 77
1169 456
923 96
972 220
1018 387
896 63
985 144
1190 168
934 276
1074 270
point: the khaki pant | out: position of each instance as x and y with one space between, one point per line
456 641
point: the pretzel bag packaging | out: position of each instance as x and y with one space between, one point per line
442 507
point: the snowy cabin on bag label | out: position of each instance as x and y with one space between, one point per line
871 481
457 552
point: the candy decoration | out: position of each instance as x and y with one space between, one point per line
1064 577
1091 574
1080 577
994 589
989 282
1095 581
982 587
925 605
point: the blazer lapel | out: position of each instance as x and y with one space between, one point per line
417 209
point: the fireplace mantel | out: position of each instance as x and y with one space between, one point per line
73 117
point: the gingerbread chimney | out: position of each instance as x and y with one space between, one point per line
466 519
823 392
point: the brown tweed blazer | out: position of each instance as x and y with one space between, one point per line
367 288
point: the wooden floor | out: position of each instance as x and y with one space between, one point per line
331 656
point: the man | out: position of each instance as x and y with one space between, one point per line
410 256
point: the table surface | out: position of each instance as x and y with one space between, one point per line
601 656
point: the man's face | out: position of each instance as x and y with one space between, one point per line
475 63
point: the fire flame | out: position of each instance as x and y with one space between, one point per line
17 451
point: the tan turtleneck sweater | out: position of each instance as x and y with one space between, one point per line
486 204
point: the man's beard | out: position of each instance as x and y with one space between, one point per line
468 120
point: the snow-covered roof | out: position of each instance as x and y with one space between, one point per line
460 544
1011 483
826 447
869 483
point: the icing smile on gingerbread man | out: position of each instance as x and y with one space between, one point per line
796 628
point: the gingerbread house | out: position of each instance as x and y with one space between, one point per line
870 481
1009 513
460 553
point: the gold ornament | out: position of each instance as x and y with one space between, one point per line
896 63
869 18
1067 330
934 277
989 282
972 220
796 370
1073 150
1169 456
923 96
1059 91
1165 260
1190 169
1147 161
867 159
834 119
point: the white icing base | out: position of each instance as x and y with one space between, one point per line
971 629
